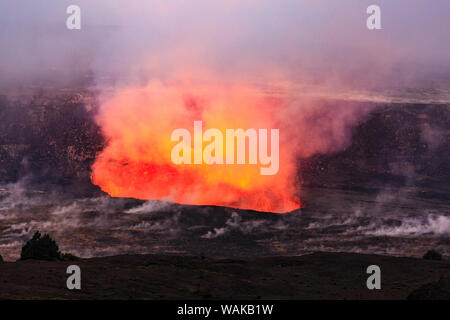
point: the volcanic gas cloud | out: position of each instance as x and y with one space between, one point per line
138 123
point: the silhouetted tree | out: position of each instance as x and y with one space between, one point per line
432 255
40 248
68 257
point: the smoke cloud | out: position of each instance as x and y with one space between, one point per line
323 42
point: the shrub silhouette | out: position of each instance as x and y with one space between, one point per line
432 255
40 248
69 257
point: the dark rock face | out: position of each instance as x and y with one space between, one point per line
49 141
399 145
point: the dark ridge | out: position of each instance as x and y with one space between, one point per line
315 276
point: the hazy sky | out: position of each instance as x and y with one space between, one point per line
313 39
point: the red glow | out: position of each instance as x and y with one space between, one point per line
138 123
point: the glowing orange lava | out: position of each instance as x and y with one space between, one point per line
138 123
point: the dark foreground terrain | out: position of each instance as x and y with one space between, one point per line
314 276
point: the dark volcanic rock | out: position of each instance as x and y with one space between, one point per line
49 141
399 145
439 290
314 276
